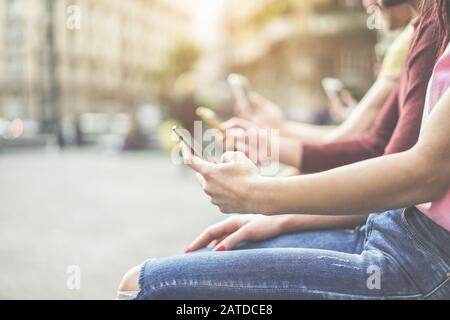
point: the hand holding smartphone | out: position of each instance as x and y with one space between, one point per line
186 138
241 90
333 88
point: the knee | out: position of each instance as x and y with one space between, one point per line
129 286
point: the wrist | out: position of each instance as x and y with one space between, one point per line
262 196
290 151
284 223
285 129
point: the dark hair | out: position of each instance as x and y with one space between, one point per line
438 10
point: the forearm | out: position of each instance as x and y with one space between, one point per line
380 184
298 223
290 151
365 114
306 132
323 157
359 121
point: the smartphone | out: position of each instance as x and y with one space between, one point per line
241 90
210 118
333 87
187 139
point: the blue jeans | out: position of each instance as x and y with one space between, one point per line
399 254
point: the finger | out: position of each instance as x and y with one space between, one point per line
214 243
348 98
230 144
258 101
233 137
237 123
201 180
214 232
249 151
243 110
233 157
230 242
241 147
199 165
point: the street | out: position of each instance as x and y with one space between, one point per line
101 213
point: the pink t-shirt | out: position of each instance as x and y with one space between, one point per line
438 211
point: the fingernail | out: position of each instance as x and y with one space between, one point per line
221 248
187 251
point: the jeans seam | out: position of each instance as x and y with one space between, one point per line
419 243
439 287
387 256
292 290
430 252
403 271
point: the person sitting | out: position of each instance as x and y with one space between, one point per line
399 253
397 15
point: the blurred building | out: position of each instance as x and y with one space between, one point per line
60 58
286 47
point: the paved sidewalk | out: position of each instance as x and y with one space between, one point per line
101 212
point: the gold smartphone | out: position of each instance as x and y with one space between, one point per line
188 140
210 118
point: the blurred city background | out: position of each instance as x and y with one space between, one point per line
89 90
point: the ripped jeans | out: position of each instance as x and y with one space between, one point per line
399 254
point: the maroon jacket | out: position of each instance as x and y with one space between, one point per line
398 125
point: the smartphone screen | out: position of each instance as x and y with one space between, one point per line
240 88
333 87
187 139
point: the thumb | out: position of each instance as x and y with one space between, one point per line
194 162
